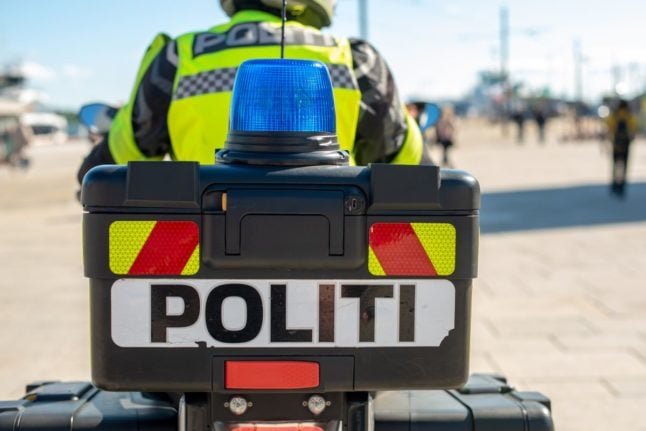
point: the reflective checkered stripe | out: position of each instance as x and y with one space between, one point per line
342 76
212 81
412 249
221 80
154 248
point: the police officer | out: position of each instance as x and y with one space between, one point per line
180 103
622 128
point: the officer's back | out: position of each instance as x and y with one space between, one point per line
180 103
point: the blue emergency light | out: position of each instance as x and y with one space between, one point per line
282 113
283 96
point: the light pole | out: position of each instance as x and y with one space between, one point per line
504 66
578 71
363 19
504 42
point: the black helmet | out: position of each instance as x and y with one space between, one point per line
317 13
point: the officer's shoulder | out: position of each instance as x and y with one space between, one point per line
361 45
340 40
363 48
159 41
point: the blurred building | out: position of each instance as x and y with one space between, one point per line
20 105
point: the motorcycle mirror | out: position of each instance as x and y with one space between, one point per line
432 113
97 117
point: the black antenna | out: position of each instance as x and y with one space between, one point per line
282 31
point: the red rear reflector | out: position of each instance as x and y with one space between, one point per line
271 374
285 427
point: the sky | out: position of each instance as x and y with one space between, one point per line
76 51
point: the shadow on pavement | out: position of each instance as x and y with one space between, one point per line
586 205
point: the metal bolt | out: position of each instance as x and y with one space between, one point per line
238 405
316 404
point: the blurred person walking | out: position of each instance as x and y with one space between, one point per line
418 112
518 117
445 133
15 138
622 128
540 116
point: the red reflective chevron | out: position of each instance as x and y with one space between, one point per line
399 251
167 249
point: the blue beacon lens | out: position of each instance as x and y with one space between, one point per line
283 96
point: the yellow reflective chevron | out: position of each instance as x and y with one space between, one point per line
374 266
126 238
193 264
438 240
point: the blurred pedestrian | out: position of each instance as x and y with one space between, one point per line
445 133
518 117
5 140
622 127
540 116
15 138
418 111
580 111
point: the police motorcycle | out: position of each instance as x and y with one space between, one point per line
280 289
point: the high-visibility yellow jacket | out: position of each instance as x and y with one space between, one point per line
180 103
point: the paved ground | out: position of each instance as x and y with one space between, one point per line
559 306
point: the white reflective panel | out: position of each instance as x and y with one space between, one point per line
366 313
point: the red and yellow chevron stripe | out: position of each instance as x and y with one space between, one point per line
411 249
154 247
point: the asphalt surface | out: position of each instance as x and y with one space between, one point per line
559 304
